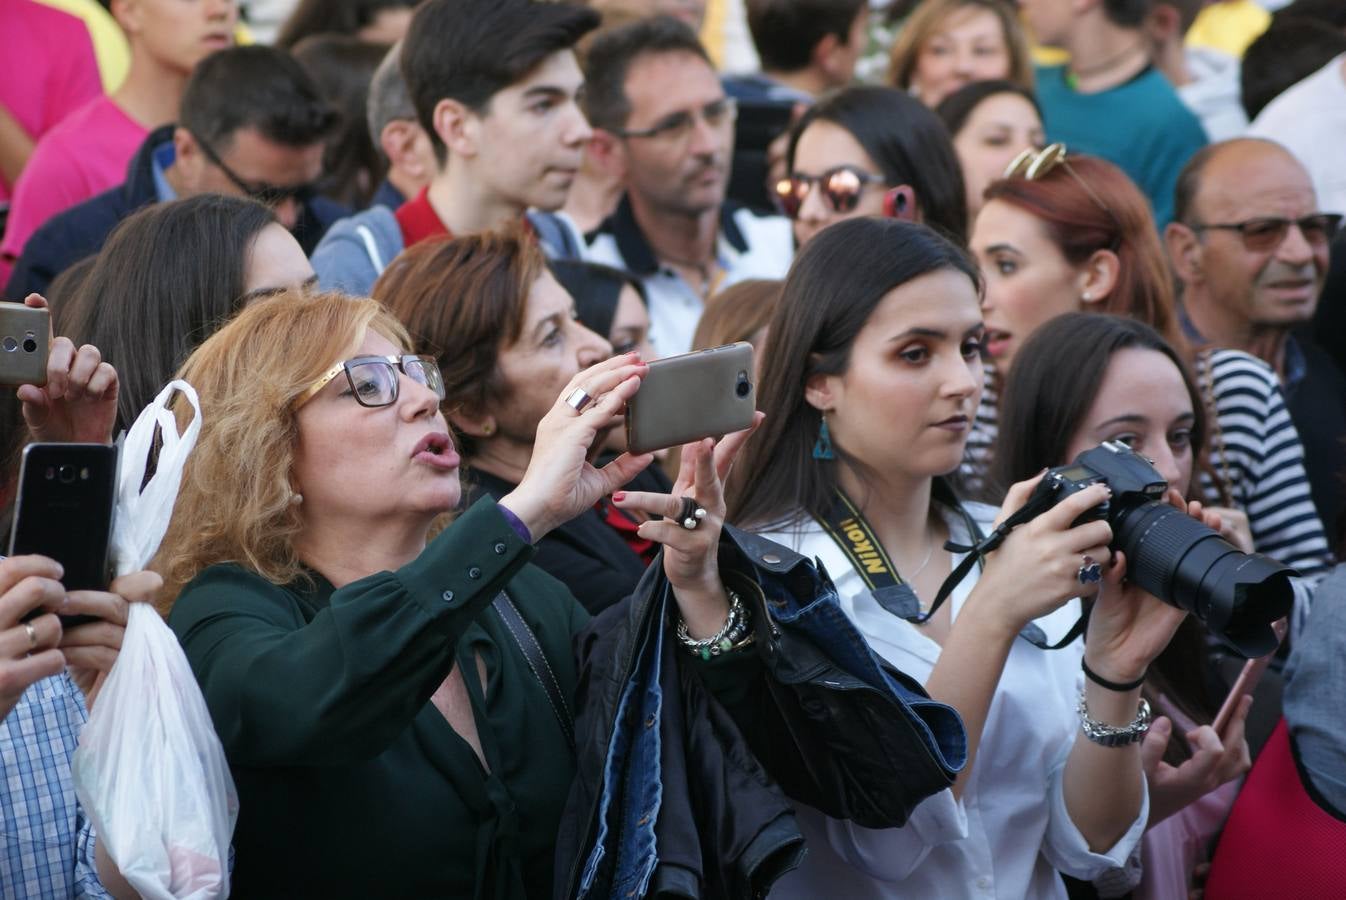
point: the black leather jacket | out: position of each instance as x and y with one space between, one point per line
685 793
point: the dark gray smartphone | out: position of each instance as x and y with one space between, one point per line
25 340
64 510
705 393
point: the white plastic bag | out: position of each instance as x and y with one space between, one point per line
150 770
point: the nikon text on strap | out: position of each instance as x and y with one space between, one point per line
846 525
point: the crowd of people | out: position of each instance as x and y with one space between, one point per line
456 639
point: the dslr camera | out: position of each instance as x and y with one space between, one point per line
1236 595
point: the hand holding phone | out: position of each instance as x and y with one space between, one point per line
705 393
1247 680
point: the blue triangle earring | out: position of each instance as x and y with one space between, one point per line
822 448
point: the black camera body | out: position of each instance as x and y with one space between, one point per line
1236 595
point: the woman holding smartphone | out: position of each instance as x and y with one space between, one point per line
871 375
1130 386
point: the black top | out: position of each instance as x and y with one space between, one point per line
1317 406
585 554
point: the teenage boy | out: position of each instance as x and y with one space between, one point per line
1109 100
495 84
252 124
661 114
88 151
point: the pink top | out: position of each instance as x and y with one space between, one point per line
47 67
84 155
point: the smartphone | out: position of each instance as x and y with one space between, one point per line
64 510
25 339
705 393
1252 673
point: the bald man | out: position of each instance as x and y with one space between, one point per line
1250 246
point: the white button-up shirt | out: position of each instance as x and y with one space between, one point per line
1010 832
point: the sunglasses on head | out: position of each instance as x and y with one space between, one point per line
373 380
840 187
1033 165
1266 233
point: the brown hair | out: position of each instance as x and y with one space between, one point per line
1076 220
234 502
737 313
931 15
463 300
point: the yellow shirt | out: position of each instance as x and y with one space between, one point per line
1229 26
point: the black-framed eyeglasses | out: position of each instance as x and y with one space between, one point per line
373 379
261 191
1266 233
677 127
841 188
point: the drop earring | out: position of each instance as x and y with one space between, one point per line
822 448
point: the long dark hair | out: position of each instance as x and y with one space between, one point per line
833 287
907 142
165 280
1040 412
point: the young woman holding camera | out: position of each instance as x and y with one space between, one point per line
870 378
1130 385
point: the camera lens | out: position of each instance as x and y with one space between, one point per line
66 474
9 344
1182 562
29 345
744 386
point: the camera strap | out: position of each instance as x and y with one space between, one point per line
846 525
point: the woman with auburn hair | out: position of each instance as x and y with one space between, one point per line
1066 234
870 377
945 44
506 338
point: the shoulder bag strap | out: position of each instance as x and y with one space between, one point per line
537 661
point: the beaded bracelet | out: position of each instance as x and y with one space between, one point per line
732 636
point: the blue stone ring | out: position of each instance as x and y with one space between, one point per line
1090 573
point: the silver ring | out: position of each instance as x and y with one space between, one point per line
578 399
1089 573
32 635
691 514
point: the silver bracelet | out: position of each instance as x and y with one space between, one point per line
733 635
1107 735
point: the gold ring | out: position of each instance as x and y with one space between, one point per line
32 635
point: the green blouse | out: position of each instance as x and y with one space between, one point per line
351 783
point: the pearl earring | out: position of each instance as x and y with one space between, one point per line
1087 297
296 499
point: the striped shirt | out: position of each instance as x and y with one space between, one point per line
1255 449
46 840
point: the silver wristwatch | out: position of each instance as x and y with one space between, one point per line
1113 735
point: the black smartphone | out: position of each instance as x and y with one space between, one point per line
64 510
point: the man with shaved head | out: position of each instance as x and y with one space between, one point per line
1250 245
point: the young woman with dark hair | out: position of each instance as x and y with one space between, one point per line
169 276
868 151
991 123
1073 233
1127 384
871 373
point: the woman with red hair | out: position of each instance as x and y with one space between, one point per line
1064 234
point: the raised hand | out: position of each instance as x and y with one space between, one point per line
91 649
28 649
1216 759
560 482
79 401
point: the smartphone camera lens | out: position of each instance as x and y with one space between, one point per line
66 474
30 343
9 344
744 386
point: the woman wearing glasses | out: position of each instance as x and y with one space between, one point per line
1072 233
872 371
384 729
872 151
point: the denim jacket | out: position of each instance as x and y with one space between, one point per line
689 769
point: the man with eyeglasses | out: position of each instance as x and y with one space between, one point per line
252 124
662 118
1250 248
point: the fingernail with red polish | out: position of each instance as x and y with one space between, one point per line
619 496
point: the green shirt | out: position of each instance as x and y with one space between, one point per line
350 782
